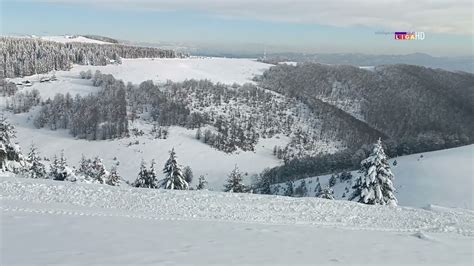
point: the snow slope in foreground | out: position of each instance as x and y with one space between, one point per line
442 178
59 222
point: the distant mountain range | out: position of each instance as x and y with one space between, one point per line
355 59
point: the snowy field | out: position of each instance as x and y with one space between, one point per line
441 178
223 70
46 222
68 39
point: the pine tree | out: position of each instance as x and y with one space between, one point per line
152 176
99 173
188 174
147 178
11 158
375 185
85 169
332 180
234 182
114 178
202 183
263 184
142 179
289 191
317 189
301 190
174 178
36 167
326 193
58 168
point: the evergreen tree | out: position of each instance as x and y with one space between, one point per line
147 178
152 176
317 189
174 178
289 191
332 180
11 158
36 167
263 184
234 182
85 168
301 190
142 179
58 168
375 185
99 173
326 193
114 178
188 174
202 183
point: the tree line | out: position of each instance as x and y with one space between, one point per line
29 56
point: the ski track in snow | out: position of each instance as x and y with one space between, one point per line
62 198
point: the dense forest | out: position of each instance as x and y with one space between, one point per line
415 109
28 56
96 116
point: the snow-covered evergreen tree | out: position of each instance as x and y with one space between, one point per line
332 180
114 178
85 170
202 183
375 186
152 176
234 182
318 188
174 178
142 176
99 173
147 178
11 158
289 191
326 193
36 168
60 171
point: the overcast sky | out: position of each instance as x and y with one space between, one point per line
249 25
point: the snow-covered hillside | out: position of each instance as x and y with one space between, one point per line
441 177
62 222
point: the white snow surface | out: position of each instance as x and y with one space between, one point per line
70 38
46 222
223 70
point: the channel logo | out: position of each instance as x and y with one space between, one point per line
409 36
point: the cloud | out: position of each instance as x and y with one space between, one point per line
434 16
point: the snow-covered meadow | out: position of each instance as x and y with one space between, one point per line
63 222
